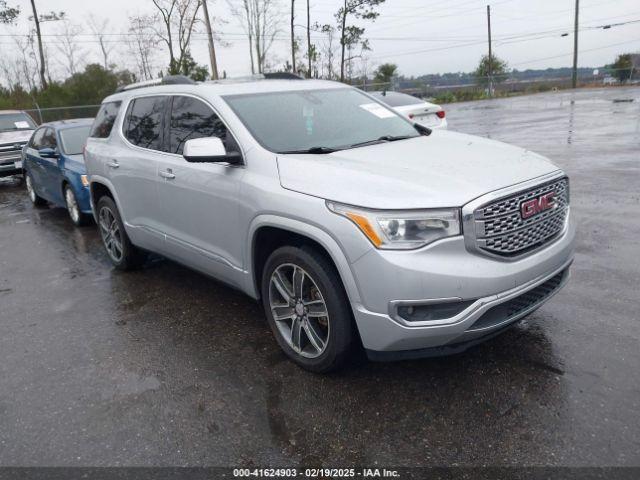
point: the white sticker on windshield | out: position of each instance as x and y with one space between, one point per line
377 110
21 124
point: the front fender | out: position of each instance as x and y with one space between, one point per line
310 231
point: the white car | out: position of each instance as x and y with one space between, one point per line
417 110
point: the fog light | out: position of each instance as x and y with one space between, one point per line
431 312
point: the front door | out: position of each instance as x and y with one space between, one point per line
200 200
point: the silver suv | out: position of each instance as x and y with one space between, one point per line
350 224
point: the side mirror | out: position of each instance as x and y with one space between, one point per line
209 150
47 152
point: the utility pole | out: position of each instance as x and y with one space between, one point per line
309 37
490 54
212 48
574 75
293 37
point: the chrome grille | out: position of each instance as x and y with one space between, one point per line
10 152
501 230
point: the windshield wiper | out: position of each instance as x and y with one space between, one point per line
312 150
383 139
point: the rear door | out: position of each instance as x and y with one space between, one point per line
51 180
134 169
200 200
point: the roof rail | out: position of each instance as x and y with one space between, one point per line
167 80
282 76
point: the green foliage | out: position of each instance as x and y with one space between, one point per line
498 70
8 14
189 68
623 67
385 73
89 87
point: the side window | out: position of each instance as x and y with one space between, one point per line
192 118
36 139
105 119
49 139
143 123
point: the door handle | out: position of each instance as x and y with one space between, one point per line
168 174
113 164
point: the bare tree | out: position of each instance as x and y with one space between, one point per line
177 19
38 20
260 20
73 55
328 50
141 43
351 35
98 27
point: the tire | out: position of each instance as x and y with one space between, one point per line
78 218
122 253
325 342
36 199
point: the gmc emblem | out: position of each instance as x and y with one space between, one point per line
537 205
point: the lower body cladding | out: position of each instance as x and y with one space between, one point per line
443 299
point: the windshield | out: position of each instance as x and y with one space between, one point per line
395 99
16 121
73 139
324 120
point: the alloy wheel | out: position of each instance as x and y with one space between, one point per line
72 205
111 234
299 310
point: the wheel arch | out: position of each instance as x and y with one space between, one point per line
98 188
268 232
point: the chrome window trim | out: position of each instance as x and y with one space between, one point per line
469 219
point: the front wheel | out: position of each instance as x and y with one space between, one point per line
77 217
307 308
123 254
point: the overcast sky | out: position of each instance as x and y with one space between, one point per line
420 36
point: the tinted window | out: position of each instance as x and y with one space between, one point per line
16 121
335 118
49 139
395 99
105 118
73 139
143 124
192 118
36 139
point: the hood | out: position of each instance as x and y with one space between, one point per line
445 169
15 136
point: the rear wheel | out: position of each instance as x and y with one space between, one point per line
36 199
122 253
307 308
77 217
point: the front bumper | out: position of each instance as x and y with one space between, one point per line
11 169
446 271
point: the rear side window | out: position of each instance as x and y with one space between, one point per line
192 118
105 119
143 123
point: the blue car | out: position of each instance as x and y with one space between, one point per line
54 167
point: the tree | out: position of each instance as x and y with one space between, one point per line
623 67
8 14
98 28
385 73
37 20
260 20
351 35
191 69
141 43
328 49
497 69
177 19
72 53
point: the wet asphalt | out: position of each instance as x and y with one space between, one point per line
167 367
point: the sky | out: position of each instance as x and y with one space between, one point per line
420 36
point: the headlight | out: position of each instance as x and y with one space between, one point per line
402 229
